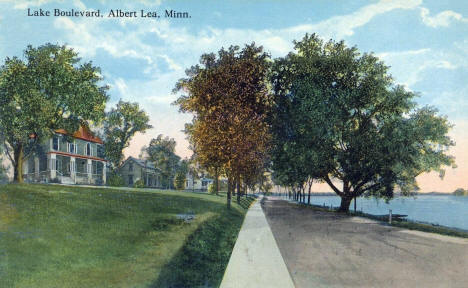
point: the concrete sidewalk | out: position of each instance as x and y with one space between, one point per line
256 260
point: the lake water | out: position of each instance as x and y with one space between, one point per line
445 210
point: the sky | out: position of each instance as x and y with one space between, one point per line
425 43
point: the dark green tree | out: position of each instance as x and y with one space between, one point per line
181 174
353 125
120 125
48 90
161 151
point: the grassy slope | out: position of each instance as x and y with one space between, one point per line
57 236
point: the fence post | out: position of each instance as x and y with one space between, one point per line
390 216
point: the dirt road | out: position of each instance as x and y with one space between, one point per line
323 249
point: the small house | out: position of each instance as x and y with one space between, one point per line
133 169
195 183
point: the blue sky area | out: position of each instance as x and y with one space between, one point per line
424 42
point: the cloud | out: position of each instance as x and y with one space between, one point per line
342 26
387 55
121 86
443 19
421 60
37 3
89 36
31 3
454 104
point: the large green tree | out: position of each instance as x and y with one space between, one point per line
120 125
161 151
361 130
47 90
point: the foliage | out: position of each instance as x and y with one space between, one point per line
179 181
116 180
266 187
139 184
49 90
211 188
181 174
161 151
460 192
339 116
120 125
229 98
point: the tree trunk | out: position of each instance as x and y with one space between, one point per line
238 188
216 181
229 193
18 164
345 203
308 199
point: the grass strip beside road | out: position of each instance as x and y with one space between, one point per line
402 223
59 236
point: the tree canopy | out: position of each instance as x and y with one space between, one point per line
339 118
229 97
120 125
161 151
47 90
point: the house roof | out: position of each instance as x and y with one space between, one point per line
143 163
82 133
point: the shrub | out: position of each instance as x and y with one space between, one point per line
460 192
211 188
179 181
55 180
116 180
139 184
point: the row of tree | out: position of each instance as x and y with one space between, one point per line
229 97
324 113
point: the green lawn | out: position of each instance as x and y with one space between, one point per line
58 236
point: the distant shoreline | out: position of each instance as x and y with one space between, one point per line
396 194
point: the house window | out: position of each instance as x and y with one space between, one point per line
130 179
100 151
71 147
88 149
130 166
204 183
55 143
